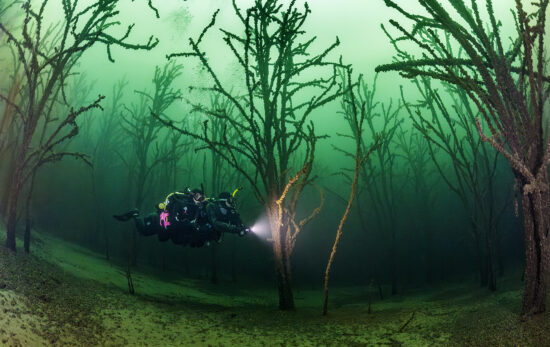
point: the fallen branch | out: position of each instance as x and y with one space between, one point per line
406 323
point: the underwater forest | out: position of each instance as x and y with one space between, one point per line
274 173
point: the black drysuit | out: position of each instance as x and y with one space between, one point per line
188 223
179 219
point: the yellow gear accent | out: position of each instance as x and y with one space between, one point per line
235 192
162 205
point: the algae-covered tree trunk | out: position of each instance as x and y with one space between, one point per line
355 112
47 57
272 114
510 89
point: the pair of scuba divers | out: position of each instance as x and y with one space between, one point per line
189 218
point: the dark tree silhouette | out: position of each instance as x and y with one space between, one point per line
170 174
509 88
377 178
474 164
272 118
47 57
8 121
219 175
415 150
143 131
9 133
101 147
79 91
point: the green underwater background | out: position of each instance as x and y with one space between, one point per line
432 251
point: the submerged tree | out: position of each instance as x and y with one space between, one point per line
102 150
9 122
143 131
218 174
415 150
47 60
355 113
377 177
510 89
9 132
474 164
170 172
79 91
272 120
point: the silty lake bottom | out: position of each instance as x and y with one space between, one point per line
274 172
63 294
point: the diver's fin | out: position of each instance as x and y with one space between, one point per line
127 216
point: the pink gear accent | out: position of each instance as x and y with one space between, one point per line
164 219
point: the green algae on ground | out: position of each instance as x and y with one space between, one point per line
73 297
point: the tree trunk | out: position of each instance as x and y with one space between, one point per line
133 250
233 261
499 256
490 258
282 260
27 238
12 222
486 255
481 259
14 192
101 228
8 165
393 264
284 283
535 207
106 235
214 277
428 252
28 221
138 204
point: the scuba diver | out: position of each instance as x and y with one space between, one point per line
184 218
